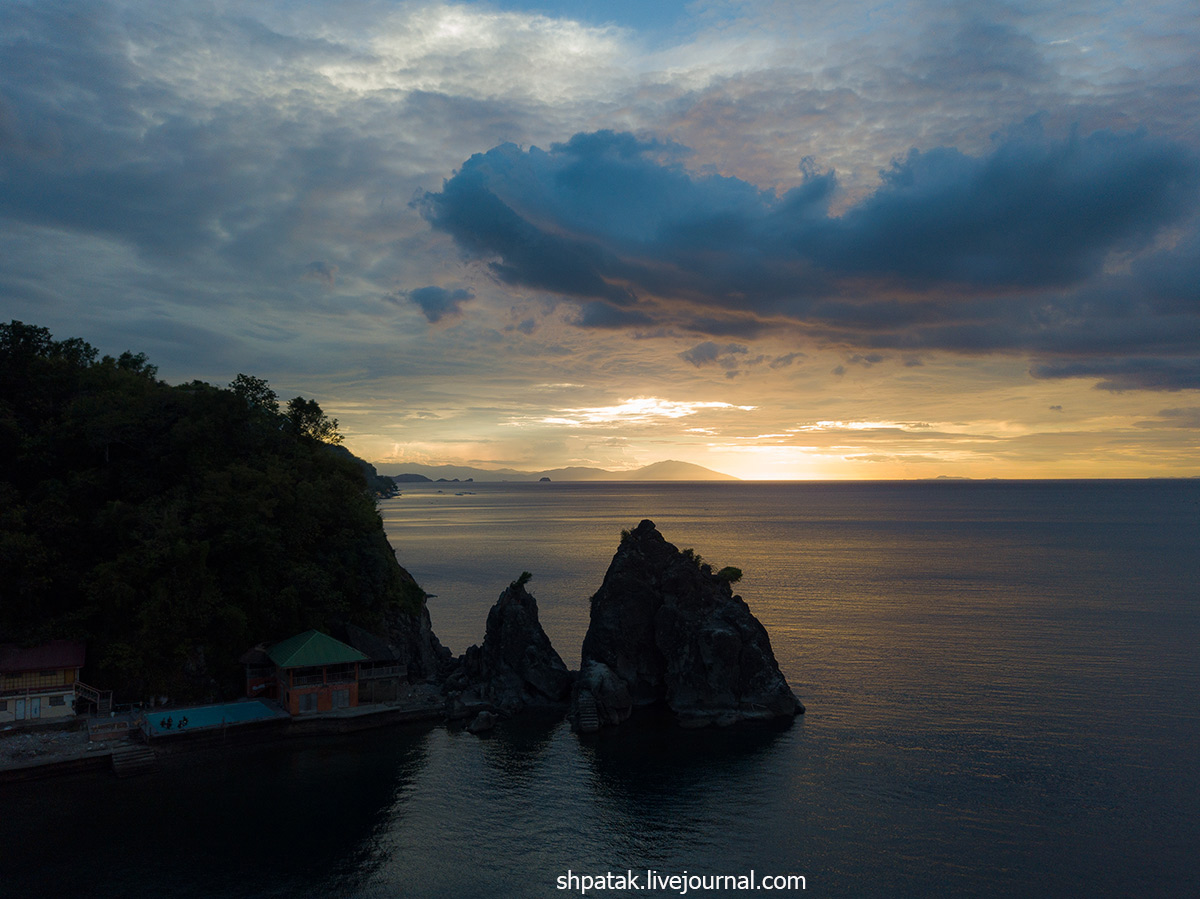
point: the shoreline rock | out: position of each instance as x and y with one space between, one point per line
515 669
665 629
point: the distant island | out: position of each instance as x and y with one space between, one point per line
668 470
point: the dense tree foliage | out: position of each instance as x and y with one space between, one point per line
172 527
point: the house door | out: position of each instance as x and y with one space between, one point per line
20 712
35 707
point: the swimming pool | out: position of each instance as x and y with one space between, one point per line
177 721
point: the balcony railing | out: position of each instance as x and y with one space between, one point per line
335 677
380 671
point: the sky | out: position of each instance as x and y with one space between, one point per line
778 239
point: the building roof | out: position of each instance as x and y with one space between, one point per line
49 656
313 648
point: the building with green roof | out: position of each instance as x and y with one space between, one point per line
315 673
313 648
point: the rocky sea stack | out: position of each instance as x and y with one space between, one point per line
666 629
516 668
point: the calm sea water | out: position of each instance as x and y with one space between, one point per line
1002 682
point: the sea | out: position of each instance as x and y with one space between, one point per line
1002 682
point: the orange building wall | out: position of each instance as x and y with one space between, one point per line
290 696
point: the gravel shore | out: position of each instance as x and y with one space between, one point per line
19 748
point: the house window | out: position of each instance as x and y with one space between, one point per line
3 705
308 702
341 699
57 700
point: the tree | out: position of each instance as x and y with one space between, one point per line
20 344
18 339
256 393
137 363
306 419
729 574
172 527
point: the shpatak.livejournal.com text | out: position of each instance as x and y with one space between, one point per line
681 884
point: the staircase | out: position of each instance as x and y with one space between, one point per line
101 699
586 713
130 759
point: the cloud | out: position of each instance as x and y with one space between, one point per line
638 410
1007 251
438 302
1030 214
606 315
892 457
1128 374
710 353
866 360
785 360
1188 418
610 216
868 428
321 271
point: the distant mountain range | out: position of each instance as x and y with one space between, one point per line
659 471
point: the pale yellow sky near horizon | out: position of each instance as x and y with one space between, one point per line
890 419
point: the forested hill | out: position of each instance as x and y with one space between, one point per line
173 527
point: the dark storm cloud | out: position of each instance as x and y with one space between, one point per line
1032 214
605 208
437 302
530 255
1005 252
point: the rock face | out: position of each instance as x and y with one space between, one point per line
516 668
416 646
665 628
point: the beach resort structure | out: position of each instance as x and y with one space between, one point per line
41 683
310 684
315 673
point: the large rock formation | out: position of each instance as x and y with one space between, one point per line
416 646
665 628
405 639
516 668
